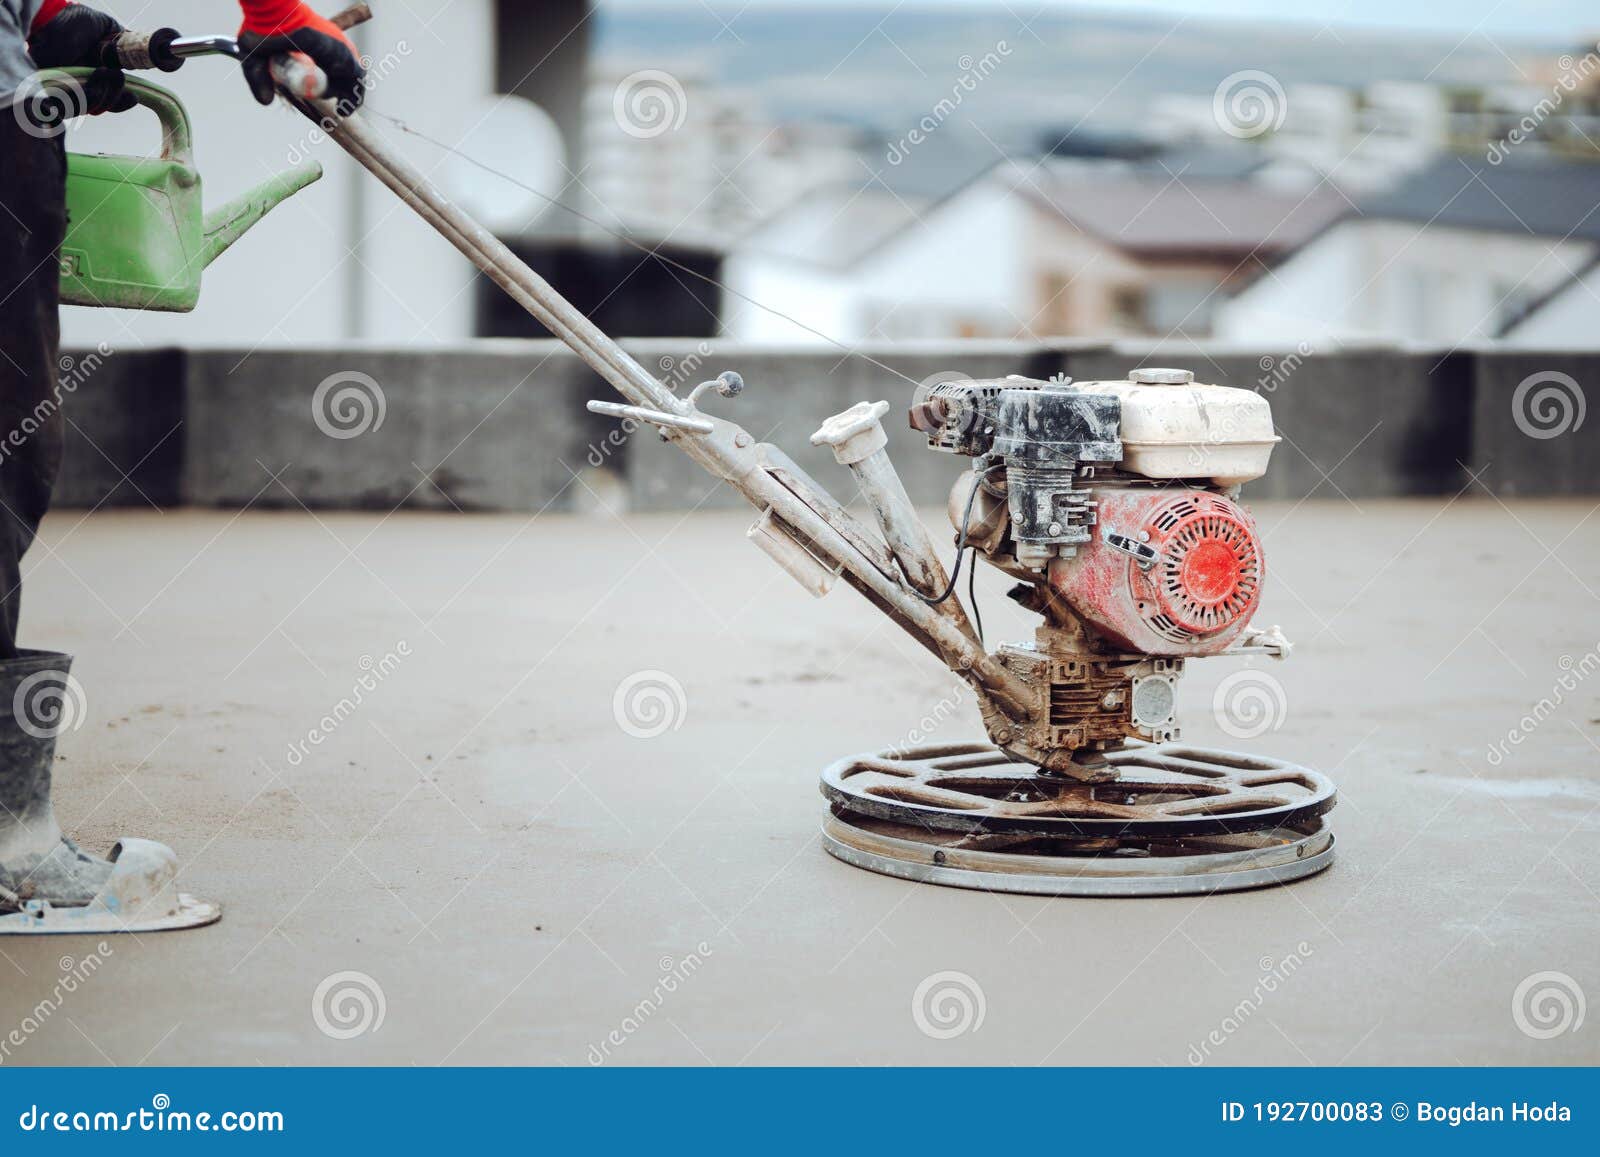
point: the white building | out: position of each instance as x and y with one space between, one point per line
1022 249
668 153
1463 251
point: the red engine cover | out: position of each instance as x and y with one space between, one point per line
1200 589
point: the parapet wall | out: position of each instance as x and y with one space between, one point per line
502 426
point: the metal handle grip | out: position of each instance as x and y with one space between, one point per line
141 50
166 50
297 75
348 18
654 417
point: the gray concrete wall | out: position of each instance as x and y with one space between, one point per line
502 425
1538 439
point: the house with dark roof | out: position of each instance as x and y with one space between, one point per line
945 246
1462 250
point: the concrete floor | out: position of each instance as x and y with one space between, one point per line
515 873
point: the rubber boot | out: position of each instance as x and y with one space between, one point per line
36 861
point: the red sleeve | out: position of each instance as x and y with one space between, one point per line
48 11
269 16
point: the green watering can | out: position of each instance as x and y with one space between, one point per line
137 235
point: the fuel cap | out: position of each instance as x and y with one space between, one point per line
1152 376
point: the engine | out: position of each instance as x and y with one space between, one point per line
1116 505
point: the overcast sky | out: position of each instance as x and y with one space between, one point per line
1538 19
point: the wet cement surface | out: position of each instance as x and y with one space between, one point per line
524 881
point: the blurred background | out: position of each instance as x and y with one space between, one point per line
1238 171
1384 215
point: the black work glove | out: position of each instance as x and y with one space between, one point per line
76 38
328 50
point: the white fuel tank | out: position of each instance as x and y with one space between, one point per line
1175 427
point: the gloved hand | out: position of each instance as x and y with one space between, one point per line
272 27
72 36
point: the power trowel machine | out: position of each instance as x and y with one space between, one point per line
1113 504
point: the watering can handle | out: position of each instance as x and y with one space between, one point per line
177 142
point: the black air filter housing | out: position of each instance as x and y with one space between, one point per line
1057 425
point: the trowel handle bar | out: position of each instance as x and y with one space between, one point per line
164 49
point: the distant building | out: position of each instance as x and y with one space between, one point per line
1362 139
1462 251
1154 253
1564 318
710 168
1555 111
946 248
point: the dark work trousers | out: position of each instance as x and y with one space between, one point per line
33 218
